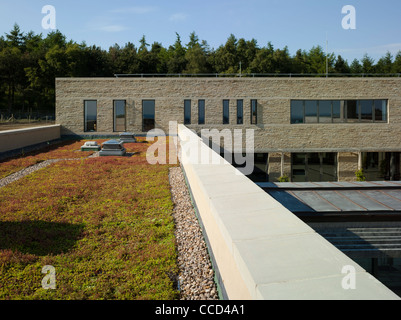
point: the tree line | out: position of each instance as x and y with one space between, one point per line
29 63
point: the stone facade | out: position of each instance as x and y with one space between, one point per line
274 132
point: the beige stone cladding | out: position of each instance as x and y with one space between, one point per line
273 132
347 165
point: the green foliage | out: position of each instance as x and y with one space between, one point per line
360 176
105 224
29 63
284 178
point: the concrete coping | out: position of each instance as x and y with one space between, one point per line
262 251
25 130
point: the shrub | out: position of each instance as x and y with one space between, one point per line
360 176
284 178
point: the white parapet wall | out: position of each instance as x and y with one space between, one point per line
21 138
261 250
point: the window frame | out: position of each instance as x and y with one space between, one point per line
85 116
154 114
298 108
187 111
114 115
240 119
201 107
254 109
226 109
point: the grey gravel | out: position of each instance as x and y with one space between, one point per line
196 275
24 172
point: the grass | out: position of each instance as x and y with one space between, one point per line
105 224
62 150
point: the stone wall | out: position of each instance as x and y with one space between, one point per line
21 138
347 165
273 132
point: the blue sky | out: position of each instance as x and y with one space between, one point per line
299 24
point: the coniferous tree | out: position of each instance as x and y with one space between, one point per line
341 66
29 63
176 57
356 67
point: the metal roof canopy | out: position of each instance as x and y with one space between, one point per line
365 242
362 219
342 200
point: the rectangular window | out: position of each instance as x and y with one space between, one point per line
329 166
148 115
338 107
380 110
201 112
314 167
119 115
325 111
226 111
366 107
240 112
90 115
311 111
352 107
379 166
254 111
187 111
297 111
338 111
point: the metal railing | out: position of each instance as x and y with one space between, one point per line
254 75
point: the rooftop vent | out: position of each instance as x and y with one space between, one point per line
127 137
112 148
90 146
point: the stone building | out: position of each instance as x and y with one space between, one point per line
310 129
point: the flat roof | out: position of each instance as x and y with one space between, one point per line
361 208
309 200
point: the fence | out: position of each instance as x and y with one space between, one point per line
255 75
10 117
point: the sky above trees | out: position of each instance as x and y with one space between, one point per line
30 62
292 23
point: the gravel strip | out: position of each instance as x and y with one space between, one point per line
196 276
24 172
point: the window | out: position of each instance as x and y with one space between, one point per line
90 115
379 166
297 111
311 111
380 107
254 111
325 111
240 112
338 111
187 111
366 110
148 115
338 107
226 111
119 115
314 167
201 112
352 107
